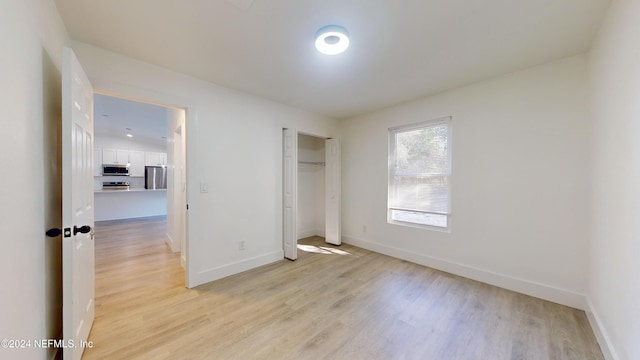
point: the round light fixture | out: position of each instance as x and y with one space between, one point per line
332 40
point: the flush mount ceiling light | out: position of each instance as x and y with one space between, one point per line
332 40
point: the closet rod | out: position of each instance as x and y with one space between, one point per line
319 163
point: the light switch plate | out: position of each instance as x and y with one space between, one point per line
204 188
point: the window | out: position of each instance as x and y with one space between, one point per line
420 174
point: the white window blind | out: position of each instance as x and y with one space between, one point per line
420 173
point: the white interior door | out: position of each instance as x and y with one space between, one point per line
290 193
332 192
78 272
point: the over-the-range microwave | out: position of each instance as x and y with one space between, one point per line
115 170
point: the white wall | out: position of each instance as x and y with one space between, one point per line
518 188
614 268
32 35
234 145
311 210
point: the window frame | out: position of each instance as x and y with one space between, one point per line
393 131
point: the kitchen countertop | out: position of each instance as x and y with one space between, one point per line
137 190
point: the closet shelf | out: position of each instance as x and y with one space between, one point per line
317 163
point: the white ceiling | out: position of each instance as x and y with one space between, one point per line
400 50
112 117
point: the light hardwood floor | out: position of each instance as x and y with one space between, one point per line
332 303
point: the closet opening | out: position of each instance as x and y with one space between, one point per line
311 196
311 186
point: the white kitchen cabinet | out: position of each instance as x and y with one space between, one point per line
122 156
115 156
97 162
136 159
155 158
109 156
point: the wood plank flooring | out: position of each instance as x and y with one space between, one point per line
332 303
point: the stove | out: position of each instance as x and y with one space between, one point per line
115 185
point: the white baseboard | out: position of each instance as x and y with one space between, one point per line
601 334
220 272
307 233
542 291
171 243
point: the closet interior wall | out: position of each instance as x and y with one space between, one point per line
311 188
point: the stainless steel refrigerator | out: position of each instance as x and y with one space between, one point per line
155 177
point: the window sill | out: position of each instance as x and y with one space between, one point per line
420 226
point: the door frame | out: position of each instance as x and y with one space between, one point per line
179 192
190 115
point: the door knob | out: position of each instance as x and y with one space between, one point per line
54 232
82 229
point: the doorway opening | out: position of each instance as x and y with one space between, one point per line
311 189
148 143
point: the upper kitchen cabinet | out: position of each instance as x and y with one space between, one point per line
109 156
122 156
136 159
115 156
155 158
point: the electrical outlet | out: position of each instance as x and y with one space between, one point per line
241 245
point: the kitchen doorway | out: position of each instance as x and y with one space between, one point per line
148 142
